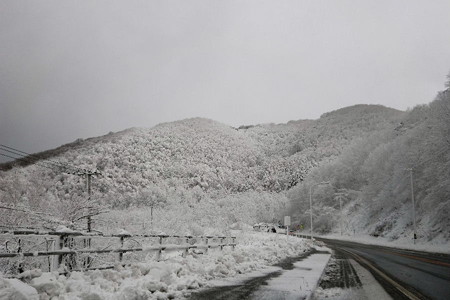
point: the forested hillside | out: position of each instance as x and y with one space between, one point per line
193 168
373 176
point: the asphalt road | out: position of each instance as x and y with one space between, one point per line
404 274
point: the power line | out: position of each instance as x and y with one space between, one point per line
81 172
22 153
55 163
24 158
444 149
51 164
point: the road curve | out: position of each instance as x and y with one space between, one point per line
405 274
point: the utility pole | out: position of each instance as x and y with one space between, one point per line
89 218
151 217
340 209
413 203
339 195
88 175
310 210
87 242
310 203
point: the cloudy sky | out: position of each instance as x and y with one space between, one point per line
71 69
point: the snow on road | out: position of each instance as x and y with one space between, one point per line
174 276
337 285
298 283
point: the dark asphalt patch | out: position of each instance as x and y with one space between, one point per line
339 273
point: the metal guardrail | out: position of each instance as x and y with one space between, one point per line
300 235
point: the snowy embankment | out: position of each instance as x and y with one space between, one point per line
172 277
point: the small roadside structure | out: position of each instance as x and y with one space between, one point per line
269 227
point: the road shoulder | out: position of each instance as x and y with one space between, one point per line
344 278
292 278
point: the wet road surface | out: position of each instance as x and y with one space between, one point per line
404 274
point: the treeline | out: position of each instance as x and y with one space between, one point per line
192 163
374 177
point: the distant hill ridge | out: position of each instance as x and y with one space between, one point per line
212 156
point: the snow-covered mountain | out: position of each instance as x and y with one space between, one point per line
210 155
198 163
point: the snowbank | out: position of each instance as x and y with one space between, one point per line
173 277
14 289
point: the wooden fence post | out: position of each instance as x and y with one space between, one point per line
54 260
122 239
69 260
19 250
62 244
158 257
87 261
61 248
186 251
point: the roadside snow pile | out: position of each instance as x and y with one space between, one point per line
64 229
16 290
173 277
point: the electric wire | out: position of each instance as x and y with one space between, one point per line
49 164
24 158
55 163
444 149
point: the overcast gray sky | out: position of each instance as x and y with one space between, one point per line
71 69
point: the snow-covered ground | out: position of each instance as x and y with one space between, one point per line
172 277
401 243
298 283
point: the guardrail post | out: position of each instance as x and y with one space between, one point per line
206 243
233 241
221 243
